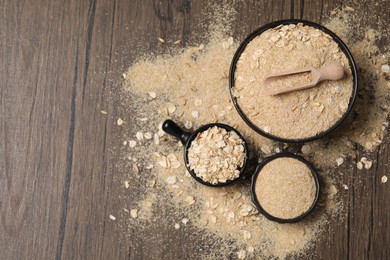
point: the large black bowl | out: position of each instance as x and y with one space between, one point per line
264 28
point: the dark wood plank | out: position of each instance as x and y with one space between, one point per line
60 62
38 63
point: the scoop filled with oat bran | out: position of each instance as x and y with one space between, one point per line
285 188
215 154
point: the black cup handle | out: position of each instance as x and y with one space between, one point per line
172 128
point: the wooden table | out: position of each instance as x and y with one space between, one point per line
59 62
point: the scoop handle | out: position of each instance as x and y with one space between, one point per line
172 128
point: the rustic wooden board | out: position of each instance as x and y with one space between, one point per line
60 62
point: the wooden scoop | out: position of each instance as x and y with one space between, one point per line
331 71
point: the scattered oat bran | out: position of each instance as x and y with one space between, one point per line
384 179
270 240
112 217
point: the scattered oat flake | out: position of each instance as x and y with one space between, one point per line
190 200
163 162
267 129
104 112
368 165
152 94
385 68
177 42
139 135
333 190
161 40
171 108
265 149
171 180
246 234
359 165
340 161
188 124
345 186
213 219
119 121
195 113
306 149
241 254
132 143
156 139
185 221
152 183
175 164
177 226
148 135
134 213
127 185
112 217
198 102
369 145
384 179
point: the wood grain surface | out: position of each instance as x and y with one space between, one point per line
60 63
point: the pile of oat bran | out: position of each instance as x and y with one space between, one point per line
191 87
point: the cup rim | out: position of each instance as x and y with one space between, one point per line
203 128
343 48
256 201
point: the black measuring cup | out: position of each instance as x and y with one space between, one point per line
256 201
186 138
271 25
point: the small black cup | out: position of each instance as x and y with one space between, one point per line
186 138
257 203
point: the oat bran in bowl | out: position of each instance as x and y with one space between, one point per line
299 116
285 188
